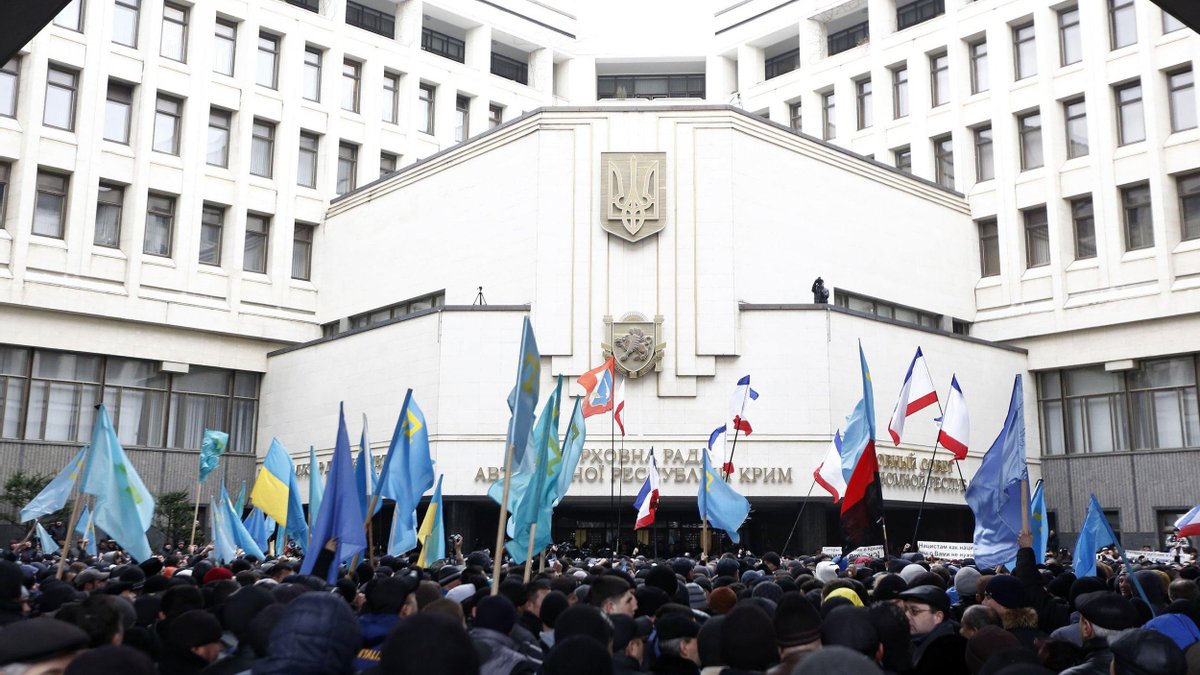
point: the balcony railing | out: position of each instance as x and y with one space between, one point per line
917 12
849 38
443 45
784 63
510 69
369 18
650 86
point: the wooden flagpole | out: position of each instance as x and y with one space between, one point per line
195 518
75 508
503 520
529 555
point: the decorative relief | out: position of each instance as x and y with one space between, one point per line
633 341
632 193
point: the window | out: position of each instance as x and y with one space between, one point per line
5 176
219 124
168 115
50 212
939 79
782 63
887 310
347 176
863 99
917 12
511 69
118 111
351 84
397 310
71 16
14 376
209 398
310 5
978 53
262 148
1037 237
61 84
900 92
257 229
174 32
1084 222
371 19
650 86
1188 187
425 108
1135 208
1029 129
1075 113
1024 51
828 115
1131 127
943 159
311 79
302 249
443 45
1181 93
125 22
495 115
462 118
109 201
1122 23
1169 23
306 173
388 161
160 225
224 46
391 98
135 395
847 38
9 79
903 159
989 248
795 115
212 225
985 161
267 73
1070 46
62 396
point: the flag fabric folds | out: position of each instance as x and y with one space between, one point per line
717 447
407 473
532 495
432 535
211 447
239 504
1094 534
720 503
341 515
524 396
829 473
955 432
647 498
364 473
862 503
1039 523
994 494
87 530
316 488
56 493
739 405
916 394
224 547
256 526
572 450
124 507
1189 523
270 491
597 384
47 542
619 409
241 536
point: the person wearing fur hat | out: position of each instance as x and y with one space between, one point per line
1006 594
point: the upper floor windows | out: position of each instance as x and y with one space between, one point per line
125 22
173 44
371 19
61 87
650 86
1024 51
1070 46
436 42
1122 23
224 46
267 71
918 11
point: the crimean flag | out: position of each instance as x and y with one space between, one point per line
432 535
619 410
124 507
955 432
739 405
647 498
85 529
1039 523
270 492
829 473
572 451
47 542
597 384
316 488
916 394
211 447
1094 535
55 495
723 506
862 505
1189 523
407 473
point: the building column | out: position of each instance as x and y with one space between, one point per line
751 65
541 70
479 48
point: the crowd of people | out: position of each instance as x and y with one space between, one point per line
180 613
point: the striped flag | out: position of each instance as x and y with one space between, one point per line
829 474
647 499
956 425
916 394
619 410
739 405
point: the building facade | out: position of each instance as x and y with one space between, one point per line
168 169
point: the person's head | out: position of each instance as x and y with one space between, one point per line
797 622
613 595
496 612
1104 615
986 643
198 632
629 635
100 617
535 592
583 620
392 595
976 617
1005 593
926 607
90 579
578 655
748 639
39 645
441 642
1183 589
1146 652
851 627
677 636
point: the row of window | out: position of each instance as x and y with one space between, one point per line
889 310
382 314
1092 409
51 396
50 220
1136 222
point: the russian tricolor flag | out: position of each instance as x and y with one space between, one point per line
916 393
956 425
739 404
829 474
647 499
1189 524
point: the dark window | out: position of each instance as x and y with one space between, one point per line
943 159
784 63
650 86
310 5
5 177
160 225
863 99
900 92
985 162
212 226
368 18
1181 94
903 159
1029 128
443 45
302 247
888 310
795 115
1037 237
1131 125
50 210
1135 207
989 248
495 115
848 38
110 200
828 115
347 176
1075 113
1189 204
258 231
510 69
917 12
1084 222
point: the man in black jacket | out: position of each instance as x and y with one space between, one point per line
1102 615
937 646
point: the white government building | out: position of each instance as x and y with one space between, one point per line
196 232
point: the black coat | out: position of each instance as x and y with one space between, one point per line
942 651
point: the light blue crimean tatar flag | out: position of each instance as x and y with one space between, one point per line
524 396
211 447
994 494
56 493
407 473
47 542
124 507
1094 535
87 530
241 536
316 487
1039 523
256 525
572 450
364 472
341 515
224 547
534 501
720 503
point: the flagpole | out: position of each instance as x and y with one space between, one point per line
508 458
195 517
620 489
529 555
542 562
612 471
704 539
783 551
1024 505
74 519
929 474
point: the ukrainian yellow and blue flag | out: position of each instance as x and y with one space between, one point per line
270 491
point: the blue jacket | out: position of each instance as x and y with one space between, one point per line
317 635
